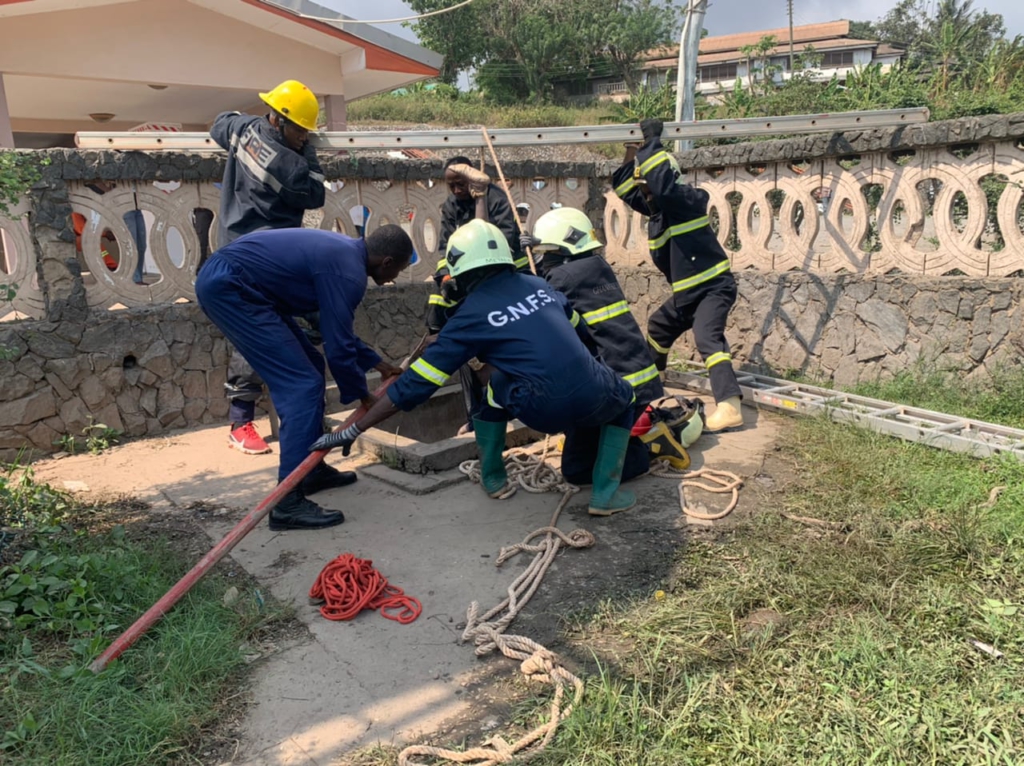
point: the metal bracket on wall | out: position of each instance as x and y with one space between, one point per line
934 429
470 139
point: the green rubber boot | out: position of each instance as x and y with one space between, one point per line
606 498
490 440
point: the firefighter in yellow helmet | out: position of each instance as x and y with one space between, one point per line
271 178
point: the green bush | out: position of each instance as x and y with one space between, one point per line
62 601
24 503
427 108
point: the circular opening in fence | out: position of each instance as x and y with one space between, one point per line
129 362
430 235
8 253
176 246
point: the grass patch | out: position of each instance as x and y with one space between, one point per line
65 592
843 643
432 109
998 400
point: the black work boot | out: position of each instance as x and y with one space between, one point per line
326 477
295 511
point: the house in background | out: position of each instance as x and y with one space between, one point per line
720 61
80 65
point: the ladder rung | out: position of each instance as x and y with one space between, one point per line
471 139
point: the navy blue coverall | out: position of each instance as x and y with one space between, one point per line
455 213
543 374
686 250
252 288
592 289
266 185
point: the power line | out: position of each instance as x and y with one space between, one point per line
372 21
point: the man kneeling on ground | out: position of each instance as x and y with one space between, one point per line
253 287
536 366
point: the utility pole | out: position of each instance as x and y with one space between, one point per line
686 76
792 58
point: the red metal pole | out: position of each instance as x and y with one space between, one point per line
221 549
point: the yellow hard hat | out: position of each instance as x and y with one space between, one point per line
295 101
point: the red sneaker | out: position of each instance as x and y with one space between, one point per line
247 439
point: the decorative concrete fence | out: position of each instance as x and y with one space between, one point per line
858 255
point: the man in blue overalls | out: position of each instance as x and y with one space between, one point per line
271 178
536 364
253 287
686 250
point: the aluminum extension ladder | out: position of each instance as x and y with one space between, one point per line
934 429
748 127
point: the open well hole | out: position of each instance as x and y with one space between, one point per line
437 419
425 440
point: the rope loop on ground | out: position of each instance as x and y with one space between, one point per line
487 632
722 481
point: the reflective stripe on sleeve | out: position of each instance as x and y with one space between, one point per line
428 371
704 276
674 231
610 311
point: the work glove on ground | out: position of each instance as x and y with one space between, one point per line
344 439
651 129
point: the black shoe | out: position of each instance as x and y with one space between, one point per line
326 477
296 511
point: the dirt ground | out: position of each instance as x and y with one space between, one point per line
343 686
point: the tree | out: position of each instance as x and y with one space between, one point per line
863 30
763 73
971 32
903 24
539 42
456 35
630 28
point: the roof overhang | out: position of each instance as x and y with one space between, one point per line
184 61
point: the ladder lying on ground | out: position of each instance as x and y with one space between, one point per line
470 139
934 429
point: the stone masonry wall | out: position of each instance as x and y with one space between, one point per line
146 371
853 328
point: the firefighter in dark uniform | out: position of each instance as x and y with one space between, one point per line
686 250
570 260
537 366
471 197
253 287
271 178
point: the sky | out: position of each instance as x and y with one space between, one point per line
723 16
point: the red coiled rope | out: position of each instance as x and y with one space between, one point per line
348 585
